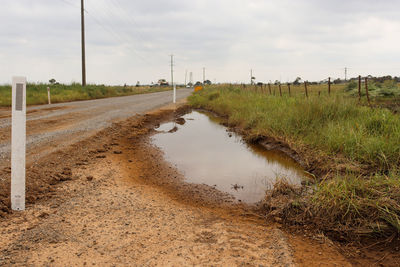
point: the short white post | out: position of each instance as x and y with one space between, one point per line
174 93
18 142
48 95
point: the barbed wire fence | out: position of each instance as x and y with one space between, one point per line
324 86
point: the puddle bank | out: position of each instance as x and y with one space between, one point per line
206 153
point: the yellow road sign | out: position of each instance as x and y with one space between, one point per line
198 88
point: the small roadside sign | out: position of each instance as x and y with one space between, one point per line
18 143
198 88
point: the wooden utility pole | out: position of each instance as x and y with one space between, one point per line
359 88
366 90
83 43
172 80
305 87
329 85
204 76
186 78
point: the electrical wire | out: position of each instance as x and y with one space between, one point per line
107 25
118 11
69 3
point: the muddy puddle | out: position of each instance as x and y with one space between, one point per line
206 153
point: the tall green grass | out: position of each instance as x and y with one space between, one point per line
37 93
338 126
335 125
359 203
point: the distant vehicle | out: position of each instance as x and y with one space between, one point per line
198 83
162 82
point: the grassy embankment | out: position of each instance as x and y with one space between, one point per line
37 93
354 147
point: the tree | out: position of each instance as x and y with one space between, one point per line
337 81
297 81
52 81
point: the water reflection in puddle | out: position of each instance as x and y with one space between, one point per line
206 153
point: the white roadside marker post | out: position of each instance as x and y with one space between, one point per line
48 95
174 93
18 142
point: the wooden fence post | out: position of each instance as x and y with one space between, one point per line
305 87
289 89
366 90
269 88
329 86
359 88
280 90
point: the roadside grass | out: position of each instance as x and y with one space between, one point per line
360 204
337 126
37 93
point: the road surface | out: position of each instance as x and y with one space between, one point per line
62 124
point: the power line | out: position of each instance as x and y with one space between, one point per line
107 13
116 4
69 3
119 11
109 28
107 24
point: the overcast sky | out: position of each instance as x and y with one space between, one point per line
131 40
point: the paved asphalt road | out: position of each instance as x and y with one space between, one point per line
62 124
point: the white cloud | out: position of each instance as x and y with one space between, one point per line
131 40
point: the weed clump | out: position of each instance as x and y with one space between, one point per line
358 205
385 88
